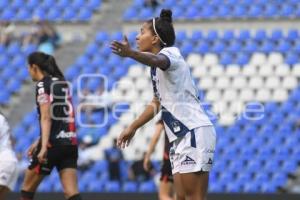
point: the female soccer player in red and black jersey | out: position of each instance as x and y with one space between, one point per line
57 145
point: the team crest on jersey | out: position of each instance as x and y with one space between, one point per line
188 161
176 126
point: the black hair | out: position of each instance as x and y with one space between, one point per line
164 28
46 63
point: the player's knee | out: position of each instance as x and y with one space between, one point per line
75 197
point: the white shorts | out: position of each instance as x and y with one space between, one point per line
194 152
8 174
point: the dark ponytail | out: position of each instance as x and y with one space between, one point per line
46 63
164 28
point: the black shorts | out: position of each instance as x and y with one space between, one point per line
61 157
166 171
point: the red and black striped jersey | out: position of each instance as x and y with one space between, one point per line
57 93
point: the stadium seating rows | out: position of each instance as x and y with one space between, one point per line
257 158
52 10
217 9
13 69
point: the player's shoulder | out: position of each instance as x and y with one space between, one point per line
171 50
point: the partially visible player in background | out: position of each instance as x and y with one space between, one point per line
57 145
8 160
166 177
189 129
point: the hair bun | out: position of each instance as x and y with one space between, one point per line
166 14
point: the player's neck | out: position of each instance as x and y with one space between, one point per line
40 76
155 50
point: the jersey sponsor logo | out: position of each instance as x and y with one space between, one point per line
41 90
43 98
210 161
46 169
63 134
188 161
40 84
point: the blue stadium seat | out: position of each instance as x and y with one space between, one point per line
8 14
130 14
95 186
271 11
130 187
148 186
239 11
145 14
287 10
4 97
101 37
68 14
226 59
291 58
54 14
94 4
84 15
23 15
112 186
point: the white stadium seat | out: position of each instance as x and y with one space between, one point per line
249 70
296 70
246 95
256 82
232 70
147 95
272 82
289 82
280 95
275 58
282 70
125 84
223 82
135 71
194 60
230 95
266 70
258 59
213 95
206 83
216 71
239 82
263 95
210 59
142 83
200 71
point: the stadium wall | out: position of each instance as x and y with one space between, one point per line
153 196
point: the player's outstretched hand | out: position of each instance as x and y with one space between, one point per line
121 48
125 137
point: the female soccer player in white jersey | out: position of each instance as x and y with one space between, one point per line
8 160
188 128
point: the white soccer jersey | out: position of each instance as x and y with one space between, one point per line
178 96
6 152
